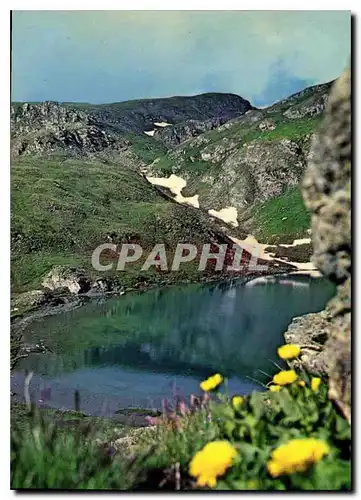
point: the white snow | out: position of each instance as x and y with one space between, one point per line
175 184
228 215
162 124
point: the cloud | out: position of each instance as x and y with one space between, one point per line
280 84
105 56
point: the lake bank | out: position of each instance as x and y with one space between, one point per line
141 348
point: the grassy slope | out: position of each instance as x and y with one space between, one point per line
63 209
281 219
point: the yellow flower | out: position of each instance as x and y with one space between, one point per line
211 382
296 456
289 351
302 383
285 377
315 383
237 402
212 461
274 388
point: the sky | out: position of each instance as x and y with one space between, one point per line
109 56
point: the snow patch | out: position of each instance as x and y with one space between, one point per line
228 215
175 184
162 124
259 250
302 241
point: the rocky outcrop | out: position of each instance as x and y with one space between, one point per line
71 278
308 103
50 127
39 299
176 134
327 192
255 172
267 125
307 108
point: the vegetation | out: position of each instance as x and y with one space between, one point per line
146 148
289 437
285 129
281 219
252 435
63 209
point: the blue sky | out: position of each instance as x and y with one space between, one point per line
107 56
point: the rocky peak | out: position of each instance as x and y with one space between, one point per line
50 127
309 102
142 114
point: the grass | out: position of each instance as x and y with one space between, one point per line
146 148
64 450
61 210
290 129
281 219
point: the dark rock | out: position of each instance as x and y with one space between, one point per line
107 285
141 114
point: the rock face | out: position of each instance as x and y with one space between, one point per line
255 172
327 193
50 128
175 135
307 103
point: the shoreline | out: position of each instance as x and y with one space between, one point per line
79 300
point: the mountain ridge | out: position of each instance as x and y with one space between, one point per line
86 174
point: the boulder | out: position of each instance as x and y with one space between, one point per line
267 125
72 278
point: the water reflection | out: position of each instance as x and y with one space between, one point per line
181 333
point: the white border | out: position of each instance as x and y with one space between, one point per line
352 5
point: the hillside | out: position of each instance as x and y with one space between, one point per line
141 114
83 129
250 159
63 209
78 175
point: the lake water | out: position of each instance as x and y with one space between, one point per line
134 350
